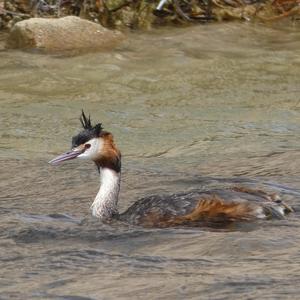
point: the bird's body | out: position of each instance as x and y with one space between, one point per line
197 208
191 209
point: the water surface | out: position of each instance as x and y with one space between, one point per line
192 108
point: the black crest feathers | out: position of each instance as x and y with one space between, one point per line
86 124
89 131
98 128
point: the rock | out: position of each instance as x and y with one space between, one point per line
64 34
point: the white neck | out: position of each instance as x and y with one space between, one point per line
105 203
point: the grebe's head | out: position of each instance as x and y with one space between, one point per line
95 144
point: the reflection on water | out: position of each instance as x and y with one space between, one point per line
199 107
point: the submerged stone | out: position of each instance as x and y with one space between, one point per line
64 34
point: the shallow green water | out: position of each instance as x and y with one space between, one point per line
196 107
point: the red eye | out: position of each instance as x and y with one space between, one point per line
87 146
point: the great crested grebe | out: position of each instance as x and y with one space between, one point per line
189 209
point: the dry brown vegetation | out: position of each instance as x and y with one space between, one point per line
148 13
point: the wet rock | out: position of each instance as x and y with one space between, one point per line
64 34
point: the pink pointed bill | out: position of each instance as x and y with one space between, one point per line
65 156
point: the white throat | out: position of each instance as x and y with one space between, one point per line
105 203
